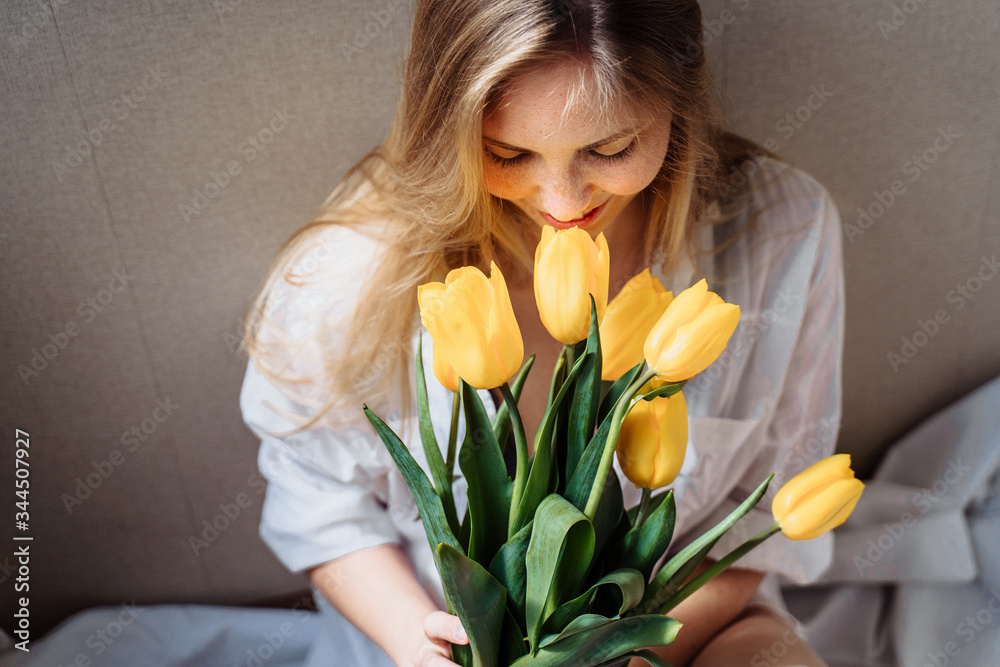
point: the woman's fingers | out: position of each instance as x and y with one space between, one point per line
445 627
441 630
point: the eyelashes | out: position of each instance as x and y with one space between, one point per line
615 157
505 161
600 157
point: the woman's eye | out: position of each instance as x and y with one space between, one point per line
503 156
615 156
503 161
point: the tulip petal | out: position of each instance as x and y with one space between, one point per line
504 333
601 276
428 291
637 441
444 371
469 287
562 292
462 341
672 417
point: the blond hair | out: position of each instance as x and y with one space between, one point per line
424 184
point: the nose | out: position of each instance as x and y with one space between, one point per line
564 195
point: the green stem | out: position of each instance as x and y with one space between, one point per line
717 568
621 408
521 447
569 351
456 404
558 378
643 507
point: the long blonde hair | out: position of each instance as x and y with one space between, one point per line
425 183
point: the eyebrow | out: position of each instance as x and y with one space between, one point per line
596 144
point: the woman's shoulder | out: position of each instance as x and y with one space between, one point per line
777 195
321 276
774 214
311 297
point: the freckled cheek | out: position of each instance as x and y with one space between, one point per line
629 179
505 183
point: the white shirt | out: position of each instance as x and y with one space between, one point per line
770 403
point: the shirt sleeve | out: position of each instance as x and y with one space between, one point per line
327 490
772 401
326 493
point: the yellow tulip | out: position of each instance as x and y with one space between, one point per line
690 334
818 499
471 320
653 440
569 266
628 320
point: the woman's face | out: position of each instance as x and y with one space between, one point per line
555 159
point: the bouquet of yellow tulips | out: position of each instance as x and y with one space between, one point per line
549 568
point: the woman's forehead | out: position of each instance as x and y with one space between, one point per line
552 103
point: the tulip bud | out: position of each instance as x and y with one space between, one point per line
653 440
628 320
818 499
691 333
471 320
569 267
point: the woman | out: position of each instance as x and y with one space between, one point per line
515 115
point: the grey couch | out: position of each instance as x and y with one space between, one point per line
157 153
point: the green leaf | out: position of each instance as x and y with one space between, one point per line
604 642
578 489
609 512
436 463
626 583
582 623
616 390
586 397
557 381
466 535
489 488
501 424
477 599
558 556
509 569
642 547
461 654
523 464
427 500
539 482
667 390
718 567
512 642
647 655
672 575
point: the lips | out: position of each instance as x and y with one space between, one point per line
577 222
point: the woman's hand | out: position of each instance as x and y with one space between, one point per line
441 630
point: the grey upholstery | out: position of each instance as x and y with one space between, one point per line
117 116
